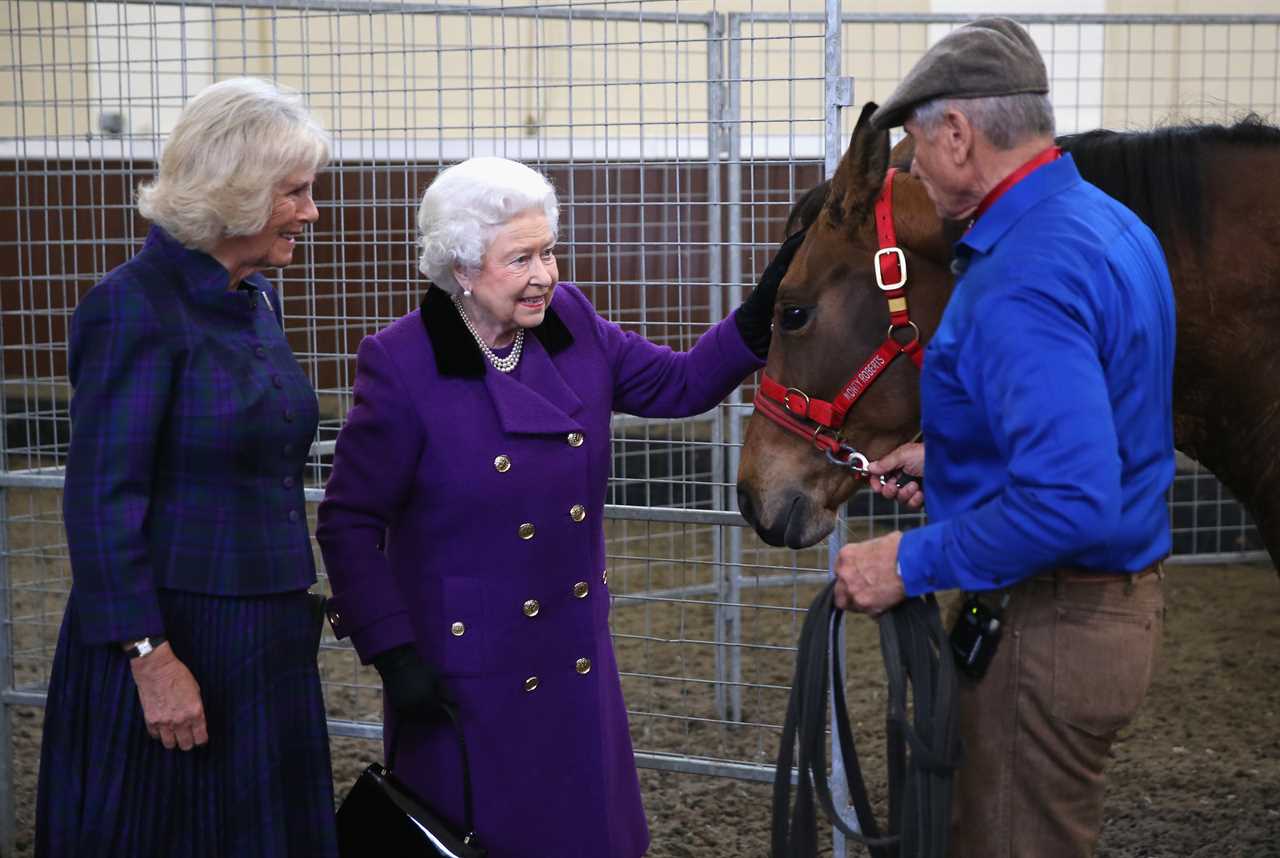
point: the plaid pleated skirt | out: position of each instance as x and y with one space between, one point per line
262 786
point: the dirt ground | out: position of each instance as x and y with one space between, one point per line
1197 775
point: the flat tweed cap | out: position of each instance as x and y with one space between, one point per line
989 56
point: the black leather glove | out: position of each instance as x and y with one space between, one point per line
413 687
755 317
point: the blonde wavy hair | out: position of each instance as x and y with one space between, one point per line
232 145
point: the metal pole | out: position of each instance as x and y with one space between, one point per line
7 826
715 287
836 96
733 407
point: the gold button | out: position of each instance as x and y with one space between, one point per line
604 577
526 531
575 439
531 608
502 464
580 589
531 683
458 630
577 512
583 666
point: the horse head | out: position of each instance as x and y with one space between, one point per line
830 319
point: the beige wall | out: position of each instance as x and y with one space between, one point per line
442 86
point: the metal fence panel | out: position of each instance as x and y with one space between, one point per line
677 141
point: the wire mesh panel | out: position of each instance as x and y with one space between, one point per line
678 136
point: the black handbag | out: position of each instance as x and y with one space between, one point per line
382 817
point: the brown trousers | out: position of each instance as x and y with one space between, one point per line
1072 669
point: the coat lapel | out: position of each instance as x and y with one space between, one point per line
541 402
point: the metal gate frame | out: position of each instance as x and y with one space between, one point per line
724 79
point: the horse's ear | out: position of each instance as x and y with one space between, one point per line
858 178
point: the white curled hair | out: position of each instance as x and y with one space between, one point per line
233 144
465 206
1005 120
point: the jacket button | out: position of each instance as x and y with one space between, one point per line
531 683
287 482
577 512
604 577
502 464
531 608
293 515
580 590
583 666
260 352
575 439
526 531
458 629
335 617
277 380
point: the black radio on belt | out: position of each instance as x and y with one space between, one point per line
975 636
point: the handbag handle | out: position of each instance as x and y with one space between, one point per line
452 712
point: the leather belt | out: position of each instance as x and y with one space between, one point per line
1076 575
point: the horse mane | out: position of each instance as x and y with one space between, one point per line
1159 174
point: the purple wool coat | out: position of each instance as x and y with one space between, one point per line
465 514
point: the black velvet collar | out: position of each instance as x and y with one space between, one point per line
456 351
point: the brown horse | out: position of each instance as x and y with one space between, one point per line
1211 194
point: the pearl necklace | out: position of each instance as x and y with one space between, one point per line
506 364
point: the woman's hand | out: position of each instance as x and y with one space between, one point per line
755 317
906 465
170 698
413 687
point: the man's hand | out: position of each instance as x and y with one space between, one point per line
867 578
170 698
909 459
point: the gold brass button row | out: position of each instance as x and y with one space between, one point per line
531 683
526 530
502 464
575 439
604 577
583 666
577 512
580 590
531 608
458 629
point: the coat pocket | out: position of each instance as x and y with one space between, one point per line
1102 666
463 650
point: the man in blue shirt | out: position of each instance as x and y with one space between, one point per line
1046 408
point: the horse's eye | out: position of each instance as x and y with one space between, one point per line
794 318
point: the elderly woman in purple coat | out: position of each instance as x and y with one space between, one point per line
185 716
462 526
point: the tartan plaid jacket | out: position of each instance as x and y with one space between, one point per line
190 425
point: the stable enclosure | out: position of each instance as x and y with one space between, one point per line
677 134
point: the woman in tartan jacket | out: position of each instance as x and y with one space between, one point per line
185 714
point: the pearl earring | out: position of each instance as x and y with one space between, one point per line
466 293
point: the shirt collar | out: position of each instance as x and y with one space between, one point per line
1008 209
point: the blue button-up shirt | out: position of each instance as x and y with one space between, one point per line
1047 394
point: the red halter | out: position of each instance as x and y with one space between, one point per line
818 420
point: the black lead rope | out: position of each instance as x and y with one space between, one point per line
923 752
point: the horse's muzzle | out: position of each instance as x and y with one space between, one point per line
792 526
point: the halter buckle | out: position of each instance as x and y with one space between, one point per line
879 270
786 401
